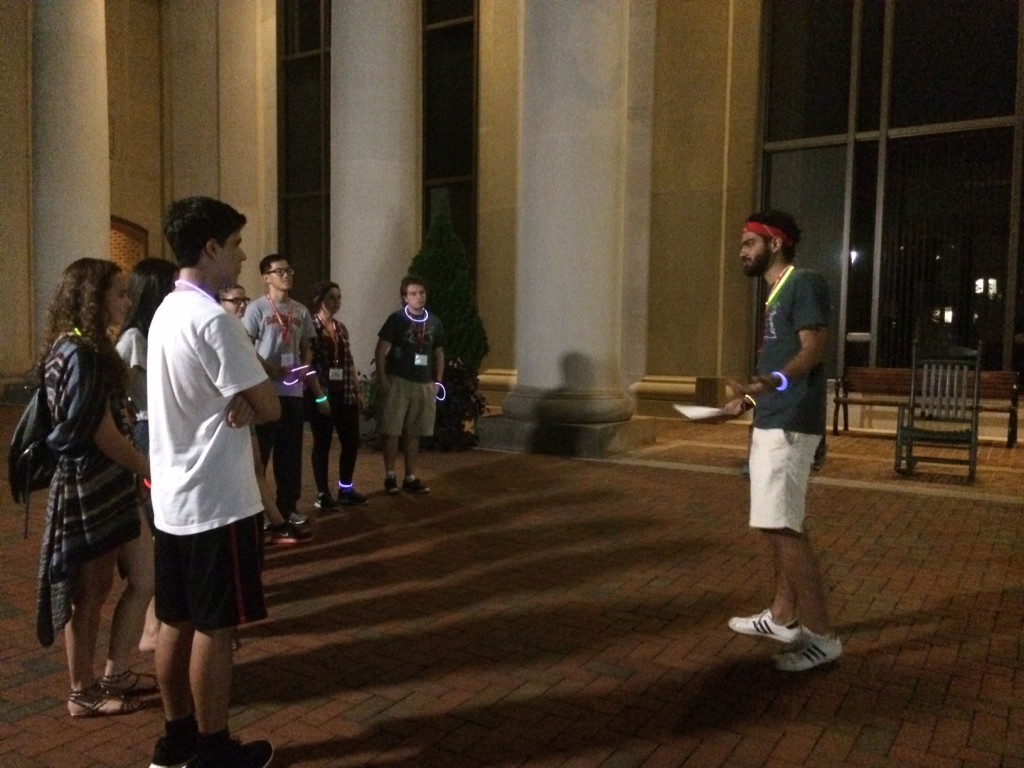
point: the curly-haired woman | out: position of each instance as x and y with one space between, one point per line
93 516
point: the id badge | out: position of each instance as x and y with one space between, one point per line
287 359
420 359
336 374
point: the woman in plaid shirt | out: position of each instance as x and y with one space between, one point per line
332 360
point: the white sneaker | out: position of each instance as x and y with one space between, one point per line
763 625
810 651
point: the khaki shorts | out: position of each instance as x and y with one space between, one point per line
780 466
407 407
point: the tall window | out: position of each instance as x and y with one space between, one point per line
449 112
304 66
898 147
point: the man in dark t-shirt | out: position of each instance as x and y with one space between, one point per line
789 392
410 367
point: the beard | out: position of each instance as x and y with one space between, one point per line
757 266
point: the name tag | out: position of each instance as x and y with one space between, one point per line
420 359
336 374
287 359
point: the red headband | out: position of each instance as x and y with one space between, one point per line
768 232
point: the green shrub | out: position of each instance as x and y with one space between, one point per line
442 264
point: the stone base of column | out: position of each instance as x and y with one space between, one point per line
590 441
567 406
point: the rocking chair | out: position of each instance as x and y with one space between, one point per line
943 410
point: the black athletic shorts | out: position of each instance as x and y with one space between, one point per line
211 579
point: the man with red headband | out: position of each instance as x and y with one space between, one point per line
789 392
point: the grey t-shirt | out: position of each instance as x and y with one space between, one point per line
801 303
278 332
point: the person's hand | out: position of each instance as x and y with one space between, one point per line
324 406
735 407
240 413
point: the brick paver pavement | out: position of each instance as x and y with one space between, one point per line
543 611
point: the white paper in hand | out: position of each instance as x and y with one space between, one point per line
698 412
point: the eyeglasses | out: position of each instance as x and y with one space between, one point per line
281 271
239 300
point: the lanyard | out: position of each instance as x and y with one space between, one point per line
286 328
331 329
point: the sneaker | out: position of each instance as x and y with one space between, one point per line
762 625
288 533
414 485
325 502
255 754
391 484
352 499
811 651
295 518
167 756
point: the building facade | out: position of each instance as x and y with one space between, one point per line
617 147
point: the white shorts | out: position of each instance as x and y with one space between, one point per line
780 466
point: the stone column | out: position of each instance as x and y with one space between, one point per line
570 228
375 160
70 142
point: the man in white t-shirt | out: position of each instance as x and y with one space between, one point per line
206 387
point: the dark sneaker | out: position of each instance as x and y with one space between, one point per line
325 502
414 485
391 484
295 518
819 455
235 754
167 756
288 533
351 499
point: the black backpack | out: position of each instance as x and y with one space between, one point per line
31 463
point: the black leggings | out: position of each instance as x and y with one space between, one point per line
345 420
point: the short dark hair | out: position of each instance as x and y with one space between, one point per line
410 280
226 288
192 221
269 259
782 221
320 290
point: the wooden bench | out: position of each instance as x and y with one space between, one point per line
891 387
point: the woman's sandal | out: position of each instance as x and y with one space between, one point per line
94 702
128 683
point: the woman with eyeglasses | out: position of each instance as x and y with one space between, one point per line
277 529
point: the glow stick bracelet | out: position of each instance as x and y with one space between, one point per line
292 383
